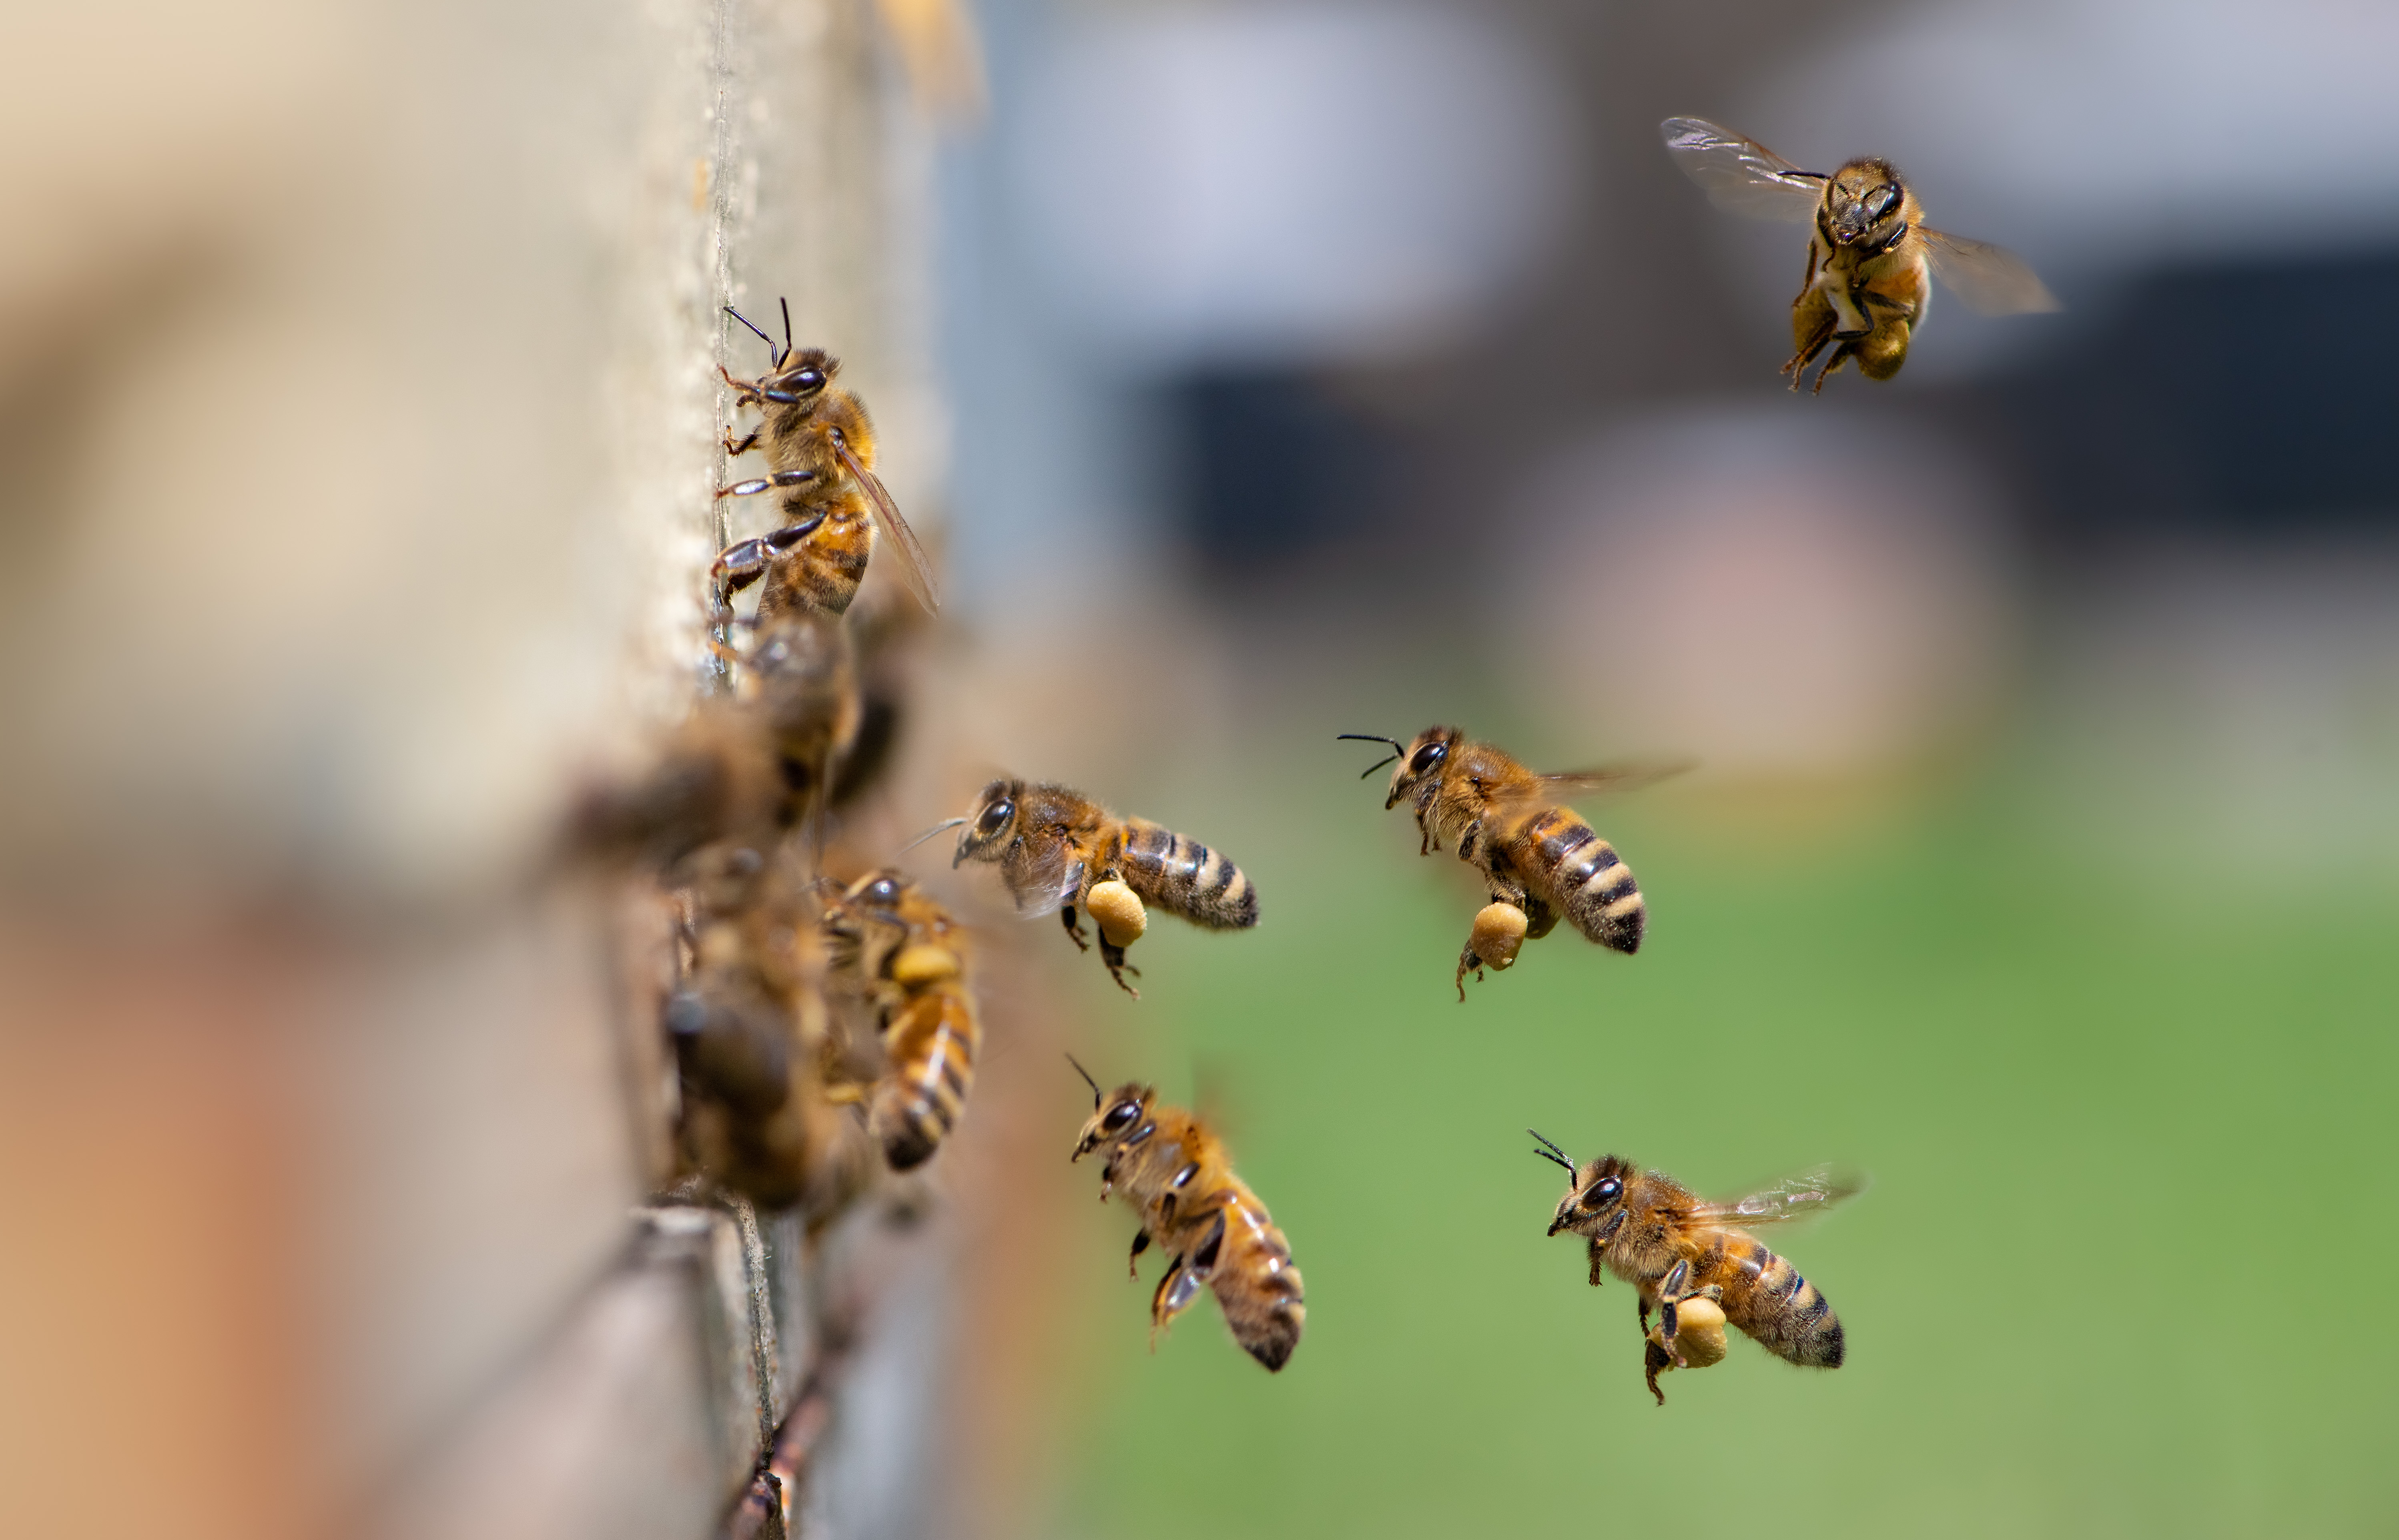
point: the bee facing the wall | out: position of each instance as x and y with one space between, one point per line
820 451
1212 1227
1536 856
901 960
1673 1247
1867 288
1057 849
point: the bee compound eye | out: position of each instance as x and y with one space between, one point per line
995 818
883 890
1119 1117
1426 757
808 379
1602 1192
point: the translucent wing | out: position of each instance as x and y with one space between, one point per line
1607 779
1990 279
914 569
1793 1198
1042 874
1741 175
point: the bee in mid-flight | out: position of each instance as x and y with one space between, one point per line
1507 823
1867 289
1212 1227
1653 1233
901 955
820 455
1054 845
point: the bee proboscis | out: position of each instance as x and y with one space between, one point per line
1212 1227
1508 824
1670 1245
1867 288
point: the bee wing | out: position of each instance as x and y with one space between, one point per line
1992 280
915 569
1741 175
1630 776
1799 1196
1042 877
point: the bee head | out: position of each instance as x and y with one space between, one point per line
991 823
1113 1116
1596 1195
1421 765
1866 204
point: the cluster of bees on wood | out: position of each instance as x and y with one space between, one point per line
826 1030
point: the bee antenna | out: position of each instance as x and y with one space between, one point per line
762 336
1397 749
785 301
1087 1080
1552 1153
944 824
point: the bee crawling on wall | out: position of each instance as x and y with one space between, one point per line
1057 849
820 451
1539 859
1866 289
1697 1264
1212 1227
898 955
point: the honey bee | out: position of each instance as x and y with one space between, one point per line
747 766
902 953
1212 1227
819 450
1507 823
747 1022
1657 1235
1865 288
1053 845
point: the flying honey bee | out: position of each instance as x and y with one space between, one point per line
820 451
1657 1235
1865 288
1507 823
900 951
1054 845
1212 1227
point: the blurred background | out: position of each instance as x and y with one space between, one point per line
1362 366
1264 371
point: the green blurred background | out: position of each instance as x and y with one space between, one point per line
2124 1115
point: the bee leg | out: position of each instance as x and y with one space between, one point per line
1539 919
1811 327
1881 353
1653 1359
1140 1244
1841 354
757 484
1114 956
1466 961
1074 927
743 445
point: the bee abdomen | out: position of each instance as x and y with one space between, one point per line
1785 1312
1184 877
1257 1288
1587 881
931 1042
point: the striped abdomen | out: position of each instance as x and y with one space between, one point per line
1244 1258
1766 1297
1581 875
931 1042
1183 877
824 570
